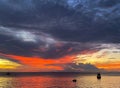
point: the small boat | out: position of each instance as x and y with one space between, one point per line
98 76
74 80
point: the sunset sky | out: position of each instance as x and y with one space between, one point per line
59 35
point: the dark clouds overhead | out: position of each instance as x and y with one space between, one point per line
54 28
27 43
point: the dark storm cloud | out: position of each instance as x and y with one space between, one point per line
65 49
68 20
26 43
32 43
81 67
54 28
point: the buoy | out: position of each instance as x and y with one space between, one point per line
98 76
74 80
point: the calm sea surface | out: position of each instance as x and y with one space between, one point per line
59 81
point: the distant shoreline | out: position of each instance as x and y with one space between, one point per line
55 73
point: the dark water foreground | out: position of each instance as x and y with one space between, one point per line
57 80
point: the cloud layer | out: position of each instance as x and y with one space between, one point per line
46 23
52 29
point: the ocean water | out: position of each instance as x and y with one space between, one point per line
59 81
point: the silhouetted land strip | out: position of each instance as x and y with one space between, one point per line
55 73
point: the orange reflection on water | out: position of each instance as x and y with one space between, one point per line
44 82
60 81
6 82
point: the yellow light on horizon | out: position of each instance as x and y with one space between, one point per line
7 64
105 58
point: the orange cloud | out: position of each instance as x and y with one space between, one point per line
115 66
102 59
42 64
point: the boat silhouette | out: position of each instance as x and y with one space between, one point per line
74 80
98 76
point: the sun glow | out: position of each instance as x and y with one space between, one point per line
104 59
7 64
